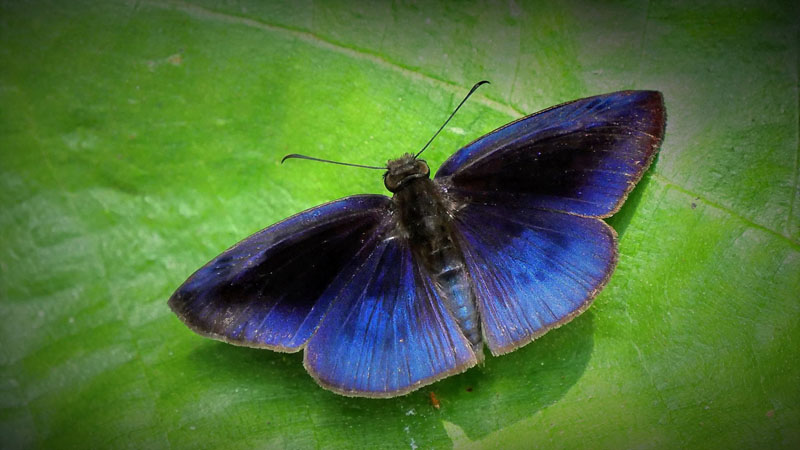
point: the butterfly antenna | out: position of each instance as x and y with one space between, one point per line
474 88
296 156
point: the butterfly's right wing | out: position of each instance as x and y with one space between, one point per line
530 197
532 272
267 290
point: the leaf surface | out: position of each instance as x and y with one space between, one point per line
139 140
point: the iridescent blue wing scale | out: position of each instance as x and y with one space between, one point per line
267 290
582 157
528 201
387 331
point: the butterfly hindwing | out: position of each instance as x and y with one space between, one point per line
581 157
387 331
532 272
267 290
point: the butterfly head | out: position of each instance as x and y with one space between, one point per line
402 170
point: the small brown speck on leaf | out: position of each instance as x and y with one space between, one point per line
175 60
435 401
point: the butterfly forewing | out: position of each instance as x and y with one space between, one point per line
581 157
267 290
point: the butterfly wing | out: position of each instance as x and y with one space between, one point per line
387 331
528 201
268 290
582 157
532 272
338 280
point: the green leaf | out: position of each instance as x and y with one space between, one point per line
140 139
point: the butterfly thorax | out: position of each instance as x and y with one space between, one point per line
425 219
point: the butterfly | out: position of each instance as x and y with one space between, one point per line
505 242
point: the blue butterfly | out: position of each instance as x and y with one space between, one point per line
387 295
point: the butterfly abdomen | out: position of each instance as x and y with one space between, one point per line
451 278
425 219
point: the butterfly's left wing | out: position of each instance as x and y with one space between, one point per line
528 198
339 281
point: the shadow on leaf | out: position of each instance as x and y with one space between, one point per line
622 218
482 400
